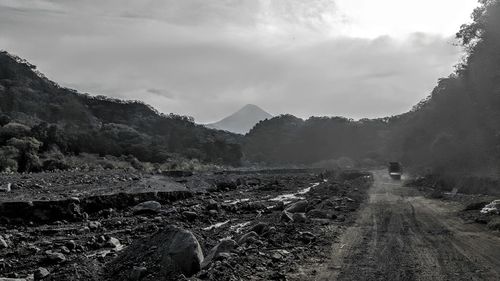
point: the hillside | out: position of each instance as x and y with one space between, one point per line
72 122
243 120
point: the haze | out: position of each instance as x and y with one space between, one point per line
353 58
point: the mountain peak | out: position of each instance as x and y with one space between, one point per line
242 120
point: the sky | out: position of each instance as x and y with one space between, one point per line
206 59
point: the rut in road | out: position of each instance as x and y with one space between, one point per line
400 235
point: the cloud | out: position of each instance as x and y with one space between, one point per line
208 58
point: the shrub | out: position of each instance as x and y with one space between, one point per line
8 156
27 160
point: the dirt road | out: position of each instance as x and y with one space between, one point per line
400 235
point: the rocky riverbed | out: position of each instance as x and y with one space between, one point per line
115 225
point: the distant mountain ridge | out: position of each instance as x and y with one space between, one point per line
242 121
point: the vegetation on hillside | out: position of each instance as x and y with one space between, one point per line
38 116
455 130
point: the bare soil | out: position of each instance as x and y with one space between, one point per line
83 215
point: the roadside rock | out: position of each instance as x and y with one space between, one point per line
225 246
165 254
298 207
148 207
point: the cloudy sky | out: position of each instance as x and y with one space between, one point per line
206 59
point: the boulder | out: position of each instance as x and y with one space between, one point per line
224 246
41 273
298 207
299 217
148 207
166 254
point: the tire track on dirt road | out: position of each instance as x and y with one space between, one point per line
400 235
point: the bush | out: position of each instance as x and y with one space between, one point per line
8 156
55 164
27 160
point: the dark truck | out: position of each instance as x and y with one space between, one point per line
395 170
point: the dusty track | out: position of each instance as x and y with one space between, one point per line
400 235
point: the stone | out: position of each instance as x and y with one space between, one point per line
190 216
298 207
3 243
137 273
243 239
168 253
148 207
299 217
286 217
260 228
318 214
113 243
64 250
212 205
41 273
224 246
71 244
7 188
54 257
94 225
307 236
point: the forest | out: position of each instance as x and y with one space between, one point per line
38 117
454 130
